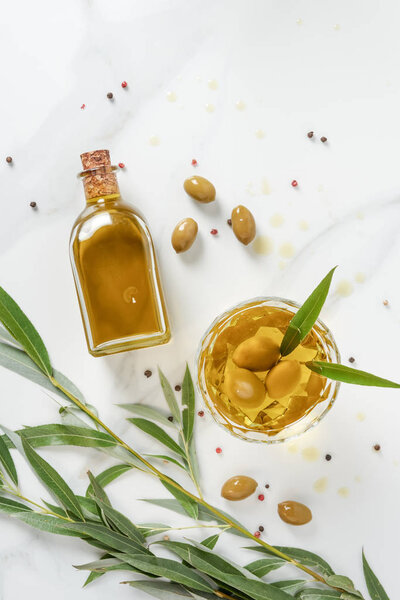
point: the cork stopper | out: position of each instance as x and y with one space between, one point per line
98 177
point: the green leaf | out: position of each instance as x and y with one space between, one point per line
11 507
89 508
20 327
210 541
149 529
164 457
107 537
121 522
305 557
52 480
169 396
7 461
157 433
189 506
92 577
265 565
220 569
344 583
46 523
374 586
339 372
107 476
56 509
5 336
304 319
163 590
63 435
104 565
170 569
315 594
97 490
188 401
291 586
148 412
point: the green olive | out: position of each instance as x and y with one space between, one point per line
294 513
283 378
243 224
184 235
200 189
244 389
238 488
256 353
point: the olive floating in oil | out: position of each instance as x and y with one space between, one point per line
294 513
243 224
184 234
244 389
283 378
238 488
200 189
257 353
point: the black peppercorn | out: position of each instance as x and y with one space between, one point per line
148 373
110 95
352 359
170 418
261 528
33 204
9 159
324 139
178 388
310 134
328 457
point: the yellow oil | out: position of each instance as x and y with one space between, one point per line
117 279
271 415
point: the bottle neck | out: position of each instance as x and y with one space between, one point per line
100 183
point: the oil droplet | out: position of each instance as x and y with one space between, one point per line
250 189
299 21
357 479
286 250
320 188
210 108
321 485
303 225
360 215
336 27
293 448
344 288
311 454
265 187
276 220
360 277
240 105
282 265
344 492
171 96
154 140
263 245
212 84
360 416
260 134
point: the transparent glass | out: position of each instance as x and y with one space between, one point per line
319 404
117 278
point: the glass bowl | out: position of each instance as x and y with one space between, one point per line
323 403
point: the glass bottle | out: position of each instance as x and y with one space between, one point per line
115 267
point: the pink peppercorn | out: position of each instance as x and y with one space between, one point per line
261 497
214 231
294 183
257 534
83 106
194 162
124 84
218 450
121 165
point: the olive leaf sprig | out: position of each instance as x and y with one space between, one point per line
300 326
32 362
200 572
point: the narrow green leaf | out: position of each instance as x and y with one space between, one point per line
107 537
148 412
163 590
63 435
121 522
157 433
374 586
98 492
339 372
89 508
304 319
344 583
316 594
149 529
92 577
56 509
210 541
11 507
265 565
189 506
5 336
7 461
104 565
169 396
164 457
291 586
107 476
52 480
305 557
171 569
46 523
21 328
188 401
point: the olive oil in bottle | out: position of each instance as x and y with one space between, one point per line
115 267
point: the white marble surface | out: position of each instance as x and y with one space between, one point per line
331 67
